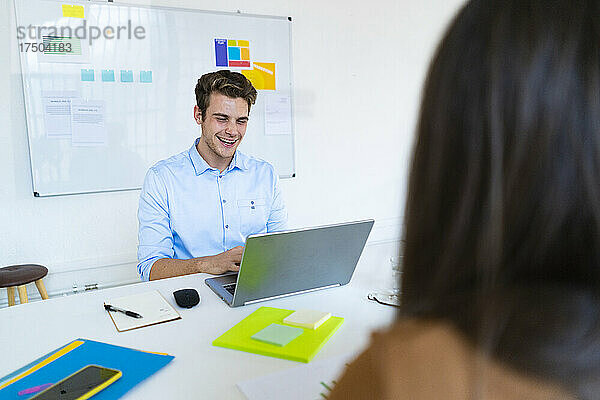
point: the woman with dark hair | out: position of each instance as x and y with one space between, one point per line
501 274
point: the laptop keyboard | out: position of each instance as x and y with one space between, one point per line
230 287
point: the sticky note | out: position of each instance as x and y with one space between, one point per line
221 53
73 11
262 75
87 75
278 335
245 53
126 76
232 43
309 319
146 76
243 43
234 53
108 75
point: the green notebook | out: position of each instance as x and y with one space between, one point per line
303 348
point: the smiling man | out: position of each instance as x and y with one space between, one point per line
197 208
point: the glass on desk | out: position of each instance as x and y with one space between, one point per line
390 296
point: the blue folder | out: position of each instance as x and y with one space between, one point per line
135 365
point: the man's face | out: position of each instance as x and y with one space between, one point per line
223 127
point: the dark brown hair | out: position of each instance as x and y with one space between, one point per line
231 84
502 219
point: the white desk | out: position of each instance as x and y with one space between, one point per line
199 369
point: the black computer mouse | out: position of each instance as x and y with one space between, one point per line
186 298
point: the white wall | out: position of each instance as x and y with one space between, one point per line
358 70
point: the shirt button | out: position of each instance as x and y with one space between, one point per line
226 226
252 202
224 201
253 207
220 176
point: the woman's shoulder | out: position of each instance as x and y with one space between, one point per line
428 359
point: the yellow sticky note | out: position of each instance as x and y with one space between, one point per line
73 11
262 75
232 43
243 43
245 53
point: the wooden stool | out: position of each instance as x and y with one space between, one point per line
19 276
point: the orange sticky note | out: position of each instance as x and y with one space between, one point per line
245 53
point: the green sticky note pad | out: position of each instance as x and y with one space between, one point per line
276 334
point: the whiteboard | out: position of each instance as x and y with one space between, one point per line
98 116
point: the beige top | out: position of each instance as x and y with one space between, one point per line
426 360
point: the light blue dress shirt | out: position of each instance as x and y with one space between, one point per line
189 209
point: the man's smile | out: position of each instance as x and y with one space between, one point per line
227 142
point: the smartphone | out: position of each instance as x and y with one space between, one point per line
81 385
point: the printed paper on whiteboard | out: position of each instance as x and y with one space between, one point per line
57 113
87 123
63 49
278 115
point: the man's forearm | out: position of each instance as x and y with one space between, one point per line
169 267
218 264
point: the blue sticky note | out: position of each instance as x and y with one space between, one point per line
276 334
126 76
221 53
108 75
87 75
235 53
146 76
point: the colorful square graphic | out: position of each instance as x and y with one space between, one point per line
232 53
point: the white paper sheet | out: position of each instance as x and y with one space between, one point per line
57 113
311 381
278 115
87 123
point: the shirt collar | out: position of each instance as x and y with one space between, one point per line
240 161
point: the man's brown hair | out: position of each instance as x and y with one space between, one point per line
230 84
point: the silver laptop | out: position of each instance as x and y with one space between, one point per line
293 262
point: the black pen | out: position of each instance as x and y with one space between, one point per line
108 307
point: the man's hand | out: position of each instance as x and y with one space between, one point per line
219 264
